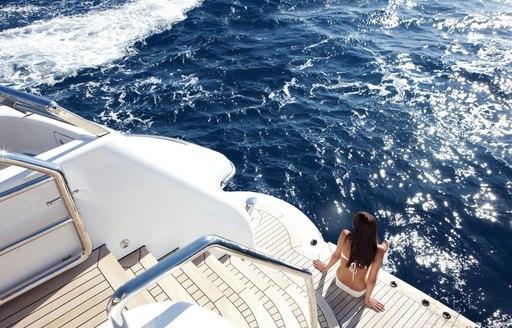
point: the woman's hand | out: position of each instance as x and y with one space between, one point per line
374 304
385 243
319 265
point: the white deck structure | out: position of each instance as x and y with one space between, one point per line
85 213
247 294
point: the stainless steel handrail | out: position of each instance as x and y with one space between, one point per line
140 283
34 183
57 174
22 101
29 103
230 176
35 235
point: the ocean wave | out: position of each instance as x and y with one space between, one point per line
48 51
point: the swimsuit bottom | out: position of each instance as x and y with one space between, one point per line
345 288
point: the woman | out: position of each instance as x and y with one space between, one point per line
357 273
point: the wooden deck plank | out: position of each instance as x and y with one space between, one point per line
70 305
269 241
415 317
269 235
280 242
349 306
365 314
351 313
324 280
252 292
224 273
337 298
195 275
432 321
174 290
262 231
276 287
231 313
294 239
282 254
265 225
116 276
381 319
73 293
301 300
268 225
48 300
141 259
97 314
353 310
94 310
262 316
410 307
273 275
47 288
42 306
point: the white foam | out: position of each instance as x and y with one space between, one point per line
10 10
49 51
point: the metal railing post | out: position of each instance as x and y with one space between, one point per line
57 174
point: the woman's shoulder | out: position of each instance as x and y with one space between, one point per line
343 235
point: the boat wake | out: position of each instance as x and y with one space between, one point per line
48 51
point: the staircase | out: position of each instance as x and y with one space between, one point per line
244 293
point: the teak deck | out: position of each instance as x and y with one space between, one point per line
76 298
249 295
274 234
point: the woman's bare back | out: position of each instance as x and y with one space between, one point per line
343 272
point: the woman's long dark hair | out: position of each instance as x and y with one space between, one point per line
363 240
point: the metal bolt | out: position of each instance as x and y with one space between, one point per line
124 243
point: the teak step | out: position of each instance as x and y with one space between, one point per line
206 294
257 308
277 237
283 316
76 297
295 288
167 289
186 283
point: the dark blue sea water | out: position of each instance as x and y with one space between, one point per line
402 108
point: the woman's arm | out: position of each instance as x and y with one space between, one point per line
336 256
372 278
